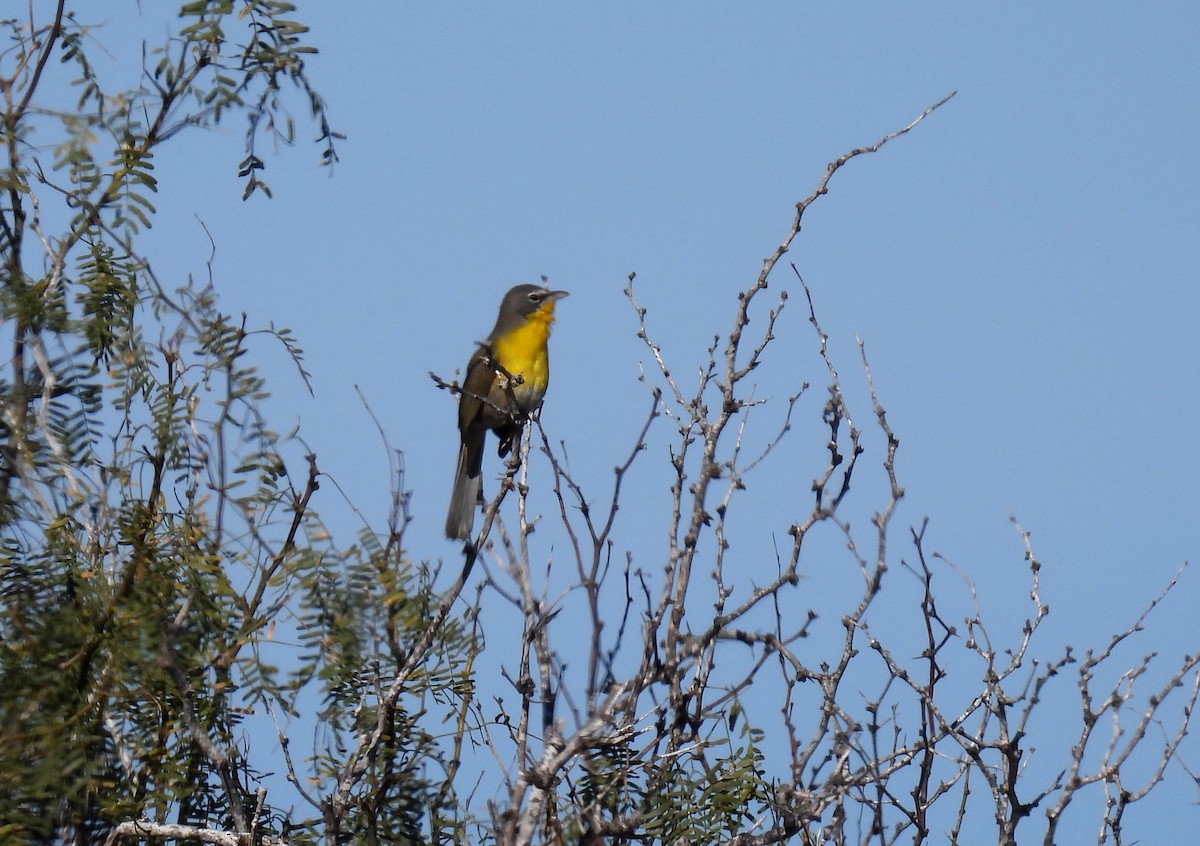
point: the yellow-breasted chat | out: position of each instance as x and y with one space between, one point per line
505 382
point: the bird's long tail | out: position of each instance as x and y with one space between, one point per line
468 483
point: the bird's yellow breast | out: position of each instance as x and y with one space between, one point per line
522 352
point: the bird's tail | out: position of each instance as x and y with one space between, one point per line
464 499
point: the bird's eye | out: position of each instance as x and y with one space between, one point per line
536 296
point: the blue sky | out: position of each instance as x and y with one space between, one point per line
1022 267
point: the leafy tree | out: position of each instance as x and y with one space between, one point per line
160 541
154 534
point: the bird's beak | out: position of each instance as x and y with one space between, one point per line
557 295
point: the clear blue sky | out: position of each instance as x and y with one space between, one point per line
1022 267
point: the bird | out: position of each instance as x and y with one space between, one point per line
505 383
